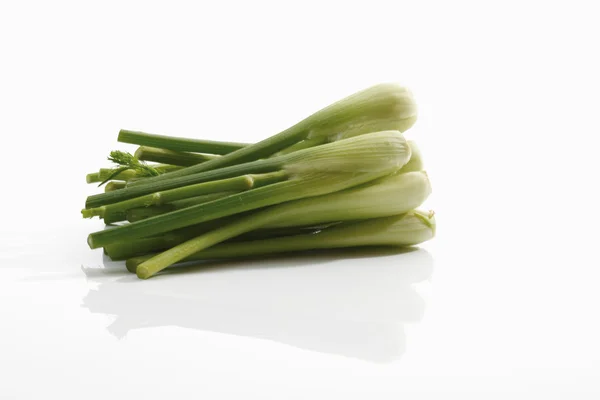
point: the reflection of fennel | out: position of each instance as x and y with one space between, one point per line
339 302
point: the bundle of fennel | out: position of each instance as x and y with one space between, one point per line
343 177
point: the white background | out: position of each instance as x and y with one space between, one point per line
502 304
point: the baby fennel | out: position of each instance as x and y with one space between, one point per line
305 173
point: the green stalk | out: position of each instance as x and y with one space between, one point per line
381 107
391 195
137 214
161 168
128 249
236 184
178 143
140 213
114 185
230 205
126 175
181 158
93 177
312 172
124 250
131 248
115 217
161 261
407 229
130 192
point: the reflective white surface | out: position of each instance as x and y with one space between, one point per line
323 303
431 321
503 304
